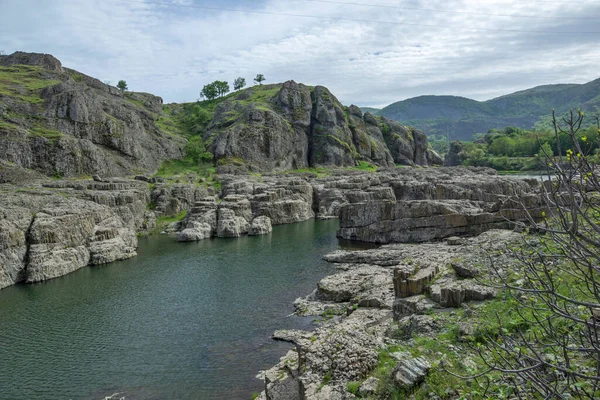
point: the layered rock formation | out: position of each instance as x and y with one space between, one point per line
63 234
64 123
51 228
439 203
391 205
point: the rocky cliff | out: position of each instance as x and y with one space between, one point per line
293 126
51 228
440 203
63 123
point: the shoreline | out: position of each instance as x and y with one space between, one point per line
361 317
51 228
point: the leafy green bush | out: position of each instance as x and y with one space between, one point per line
195 150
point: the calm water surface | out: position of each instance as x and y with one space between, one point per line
179 321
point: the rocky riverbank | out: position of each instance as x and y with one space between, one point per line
50 228
377 311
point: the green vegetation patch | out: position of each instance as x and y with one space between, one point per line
179 171
5 125
42 131
164 221
192 119
173 168
24 82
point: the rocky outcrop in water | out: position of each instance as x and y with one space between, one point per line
439 203
51 228
45 234
107 213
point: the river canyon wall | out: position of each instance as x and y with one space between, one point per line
51 228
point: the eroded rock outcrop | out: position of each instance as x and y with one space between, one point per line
299 126
437 204
45 235
76 125
342 356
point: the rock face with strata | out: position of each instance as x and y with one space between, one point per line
77 125
260 226
437 204
63 234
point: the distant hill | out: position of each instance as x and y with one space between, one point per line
460 117
374 111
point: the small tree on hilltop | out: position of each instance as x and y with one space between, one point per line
222 87
122 86
239 83
260 78
209 91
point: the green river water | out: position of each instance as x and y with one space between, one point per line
179 321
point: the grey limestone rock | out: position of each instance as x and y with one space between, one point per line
457 293
464 270
195 231
260 226
368 387
438 204
367 286
82 126
229 225
411 372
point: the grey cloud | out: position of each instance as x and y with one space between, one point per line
173 51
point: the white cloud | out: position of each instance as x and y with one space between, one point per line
368 56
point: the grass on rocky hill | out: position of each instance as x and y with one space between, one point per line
186 171
326 171
452 351
24 82
192 119
463 333
163 222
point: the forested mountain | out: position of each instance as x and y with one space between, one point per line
460 117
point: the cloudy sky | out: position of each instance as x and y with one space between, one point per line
368 52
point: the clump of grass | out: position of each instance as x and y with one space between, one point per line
164 221
24 82
41 131
353 387
365 166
